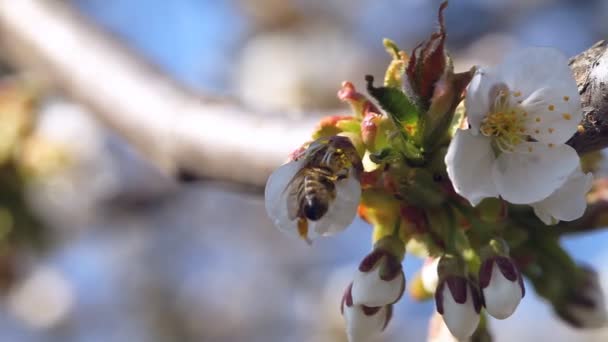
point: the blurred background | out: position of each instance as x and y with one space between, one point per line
113 251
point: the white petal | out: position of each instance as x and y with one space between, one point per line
429 275
554 113
530 69
524 178
461 319
368 289
438 331
544 216
469 163
275 196
502 296
478 101
341 211
361 327
567 203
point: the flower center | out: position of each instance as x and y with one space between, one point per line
505 123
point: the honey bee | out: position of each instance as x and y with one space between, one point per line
313 188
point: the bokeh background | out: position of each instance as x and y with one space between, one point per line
134 256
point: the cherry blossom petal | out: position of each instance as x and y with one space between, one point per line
524 178
461 318
341 211
553 113
370 290
478 99
275 196
363 323
469 163
567 203
502 295
528 70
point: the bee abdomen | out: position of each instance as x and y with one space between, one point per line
318 192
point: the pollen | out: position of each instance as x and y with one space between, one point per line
551 145
551 107
505 125
566 98
537 131
580 129
537 119
551 130
567 116
303 229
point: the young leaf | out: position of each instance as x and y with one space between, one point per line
396 105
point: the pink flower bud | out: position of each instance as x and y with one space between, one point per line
502 286
459 303
379 280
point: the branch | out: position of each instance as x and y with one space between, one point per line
591 73
179 130
174 128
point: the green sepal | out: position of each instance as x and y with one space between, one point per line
397 106
385 155
417 186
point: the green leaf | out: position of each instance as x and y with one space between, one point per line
396 105
386 155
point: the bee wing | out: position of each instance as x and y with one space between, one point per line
294 189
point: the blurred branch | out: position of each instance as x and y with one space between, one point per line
181 131
176 129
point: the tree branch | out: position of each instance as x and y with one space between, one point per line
173 127
181 131
591 73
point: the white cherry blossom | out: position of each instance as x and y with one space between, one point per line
459 303
502 286
566 203
379 280
520 114
363 322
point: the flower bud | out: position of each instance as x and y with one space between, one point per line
502 286
363 322
438 331
379 280
585 307
459 303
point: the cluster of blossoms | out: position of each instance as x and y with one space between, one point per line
467 169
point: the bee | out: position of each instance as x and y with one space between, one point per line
313 188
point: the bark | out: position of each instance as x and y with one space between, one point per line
591 73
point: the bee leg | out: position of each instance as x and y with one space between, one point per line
303 230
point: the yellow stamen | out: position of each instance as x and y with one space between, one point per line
567 116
